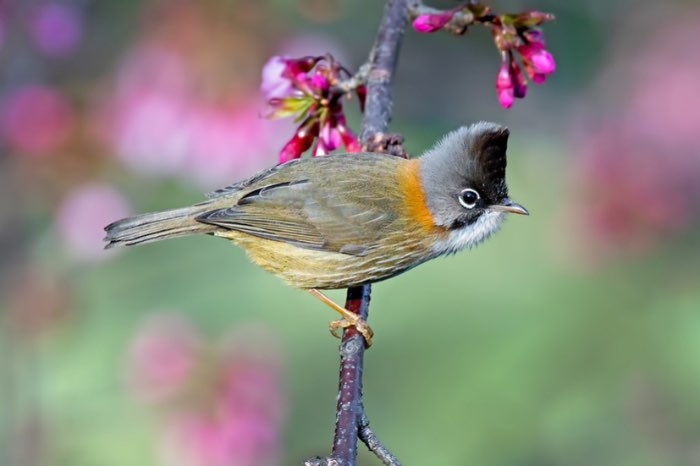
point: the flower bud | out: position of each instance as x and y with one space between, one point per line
540 59
430 22
532 18
518 80
504 85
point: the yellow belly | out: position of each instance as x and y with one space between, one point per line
310 268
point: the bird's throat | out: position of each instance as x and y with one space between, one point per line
470 235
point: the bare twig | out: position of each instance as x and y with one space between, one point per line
351 421
354 81
370 439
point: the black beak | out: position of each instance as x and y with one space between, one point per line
511 207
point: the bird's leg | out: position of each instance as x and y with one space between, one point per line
350 319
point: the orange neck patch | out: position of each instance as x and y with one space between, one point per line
414 197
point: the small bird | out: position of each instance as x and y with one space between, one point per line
350 219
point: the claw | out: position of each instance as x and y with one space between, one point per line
360 325
349 319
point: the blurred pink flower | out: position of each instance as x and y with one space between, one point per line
637 176
162 357
229 403
663 85
229 142
56 28
36 119
219 439
158 124
631 196
81 218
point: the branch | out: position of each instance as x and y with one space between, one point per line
383 57
370 439
351 421
355 81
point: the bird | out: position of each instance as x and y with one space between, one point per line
345 220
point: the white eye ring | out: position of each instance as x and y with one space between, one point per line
468 198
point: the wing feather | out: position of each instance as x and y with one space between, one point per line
344 210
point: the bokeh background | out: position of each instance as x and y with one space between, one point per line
570 338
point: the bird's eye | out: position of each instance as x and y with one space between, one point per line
468 198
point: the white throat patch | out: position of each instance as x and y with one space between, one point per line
470 235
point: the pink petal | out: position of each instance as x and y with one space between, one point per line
301 141
273 84
504 79
350 141
292 150
543 62
430 22
539 59
319 81
505 97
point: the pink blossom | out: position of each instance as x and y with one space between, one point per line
329 139
319 82
296 146
504 85
222 439
56 28
81 218
317 102
430 22
540 60
519 33
160 125
282 75
230 142
274 84
162 357
36 119
229 406
631 196
636 174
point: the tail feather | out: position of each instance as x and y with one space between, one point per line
156 226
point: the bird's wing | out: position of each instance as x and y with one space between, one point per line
340 203
260 176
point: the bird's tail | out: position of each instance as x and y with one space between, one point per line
156 226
